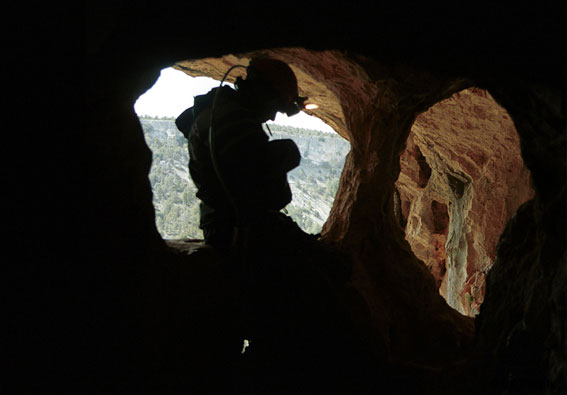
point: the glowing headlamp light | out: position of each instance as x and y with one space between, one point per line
295 106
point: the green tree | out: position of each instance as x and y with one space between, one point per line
187 195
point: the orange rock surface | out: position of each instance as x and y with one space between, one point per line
462 178
373 105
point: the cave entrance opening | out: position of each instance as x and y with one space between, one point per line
313 184
462 178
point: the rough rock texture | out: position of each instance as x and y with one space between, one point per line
97 303
527 352
462 178
374 97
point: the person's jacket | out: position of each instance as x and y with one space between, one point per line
254 169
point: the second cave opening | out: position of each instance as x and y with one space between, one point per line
462 177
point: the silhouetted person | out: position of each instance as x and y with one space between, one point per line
244 185
290 288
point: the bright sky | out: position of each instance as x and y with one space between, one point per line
174 91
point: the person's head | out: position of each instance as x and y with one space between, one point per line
272 86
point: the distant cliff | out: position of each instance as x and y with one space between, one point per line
313 184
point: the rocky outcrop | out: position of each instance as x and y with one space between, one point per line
462 178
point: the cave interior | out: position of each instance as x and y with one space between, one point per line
101 303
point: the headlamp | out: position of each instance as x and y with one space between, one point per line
295 106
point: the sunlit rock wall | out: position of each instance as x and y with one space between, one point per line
373 105
462 177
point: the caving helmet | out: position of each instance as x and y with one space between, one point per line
280 77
